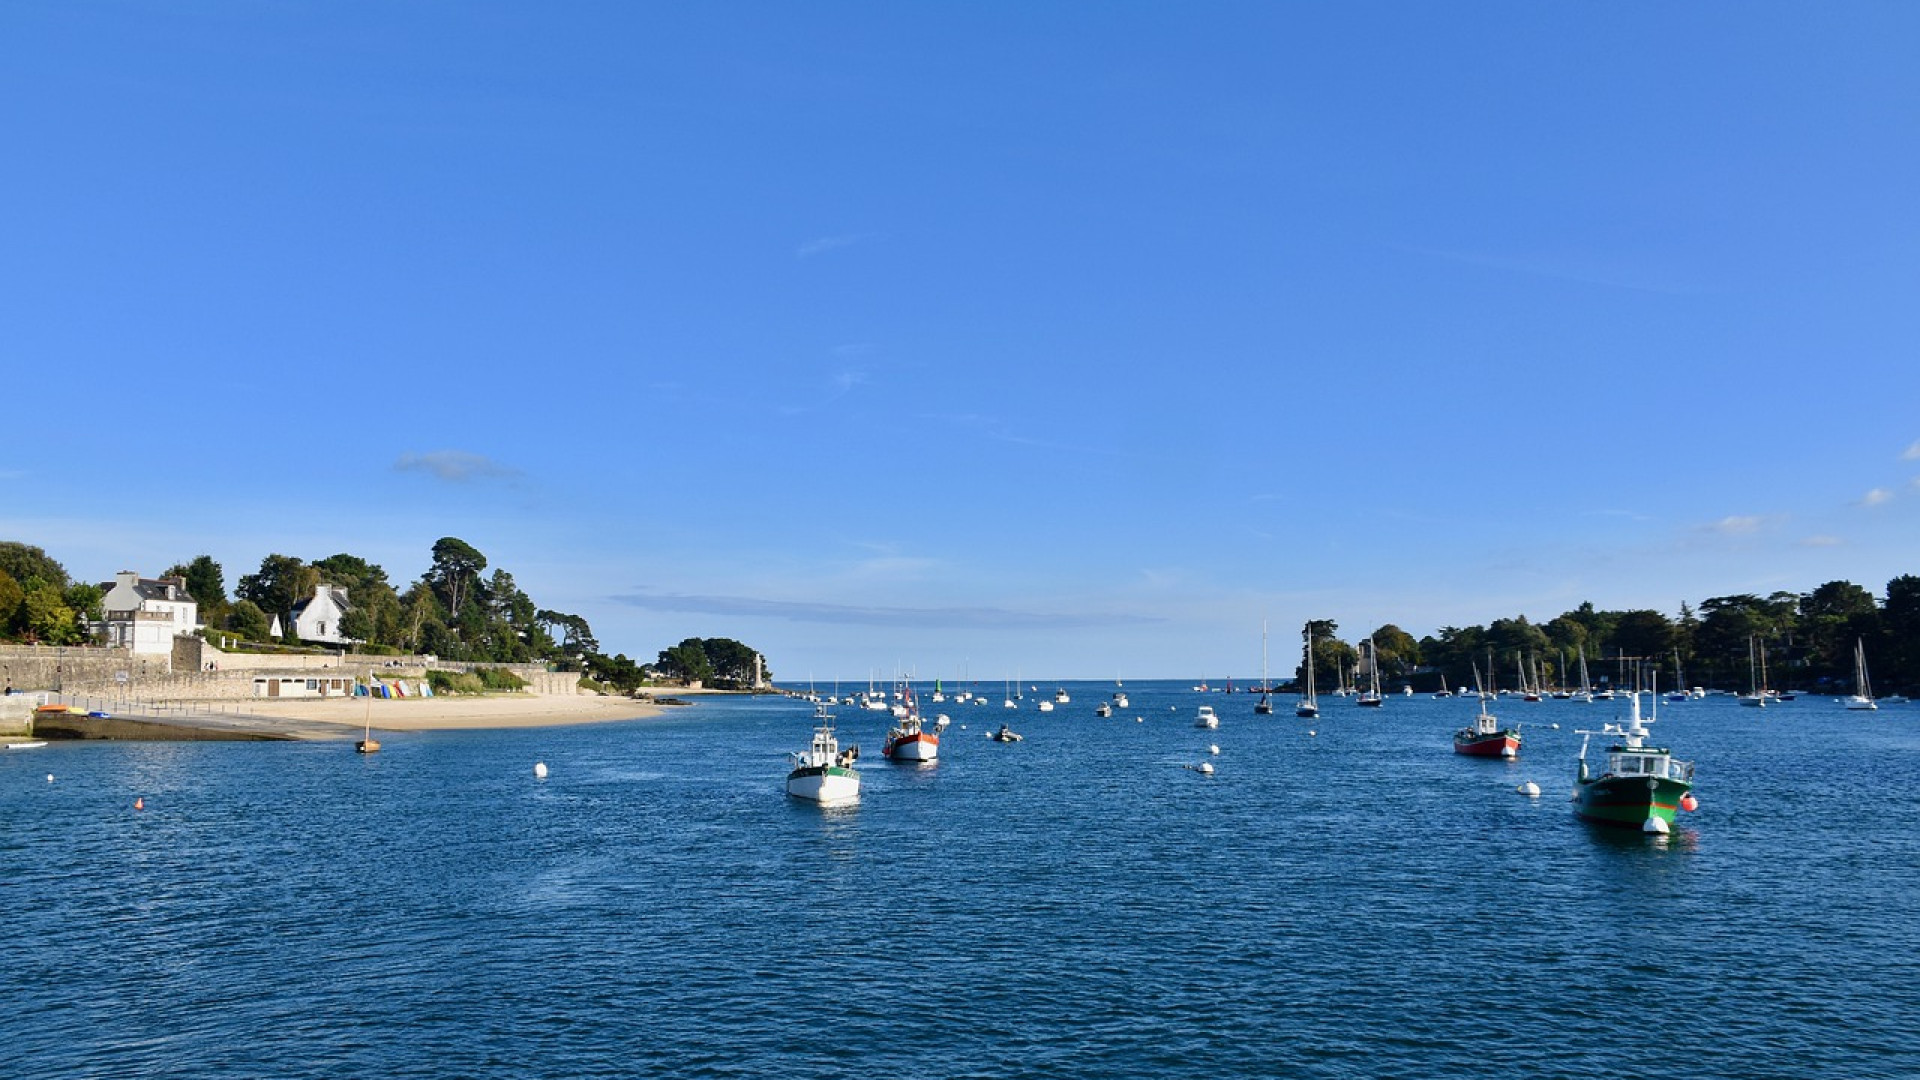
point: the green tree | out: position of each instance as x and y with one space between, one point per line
422 620
85 602
1900 620
13 599
455 573
731 662
576 640
206 582
617 671
282 582
1645 634
48 618
1398 652
27 564
358 623
248 621
1831 618
686 662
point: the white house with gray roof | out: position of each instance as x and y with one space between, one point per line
144 614
317 618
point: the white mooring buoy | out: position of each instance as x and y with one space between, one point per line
1206 768
540 769
1530 789
1213 749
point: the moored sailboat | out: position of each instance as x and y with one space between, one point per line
1862 696
1756 678
1371 695
1264 707
1308 707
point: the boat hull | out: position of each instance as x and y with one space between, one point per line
1500 744
828 785
1628 801
921 747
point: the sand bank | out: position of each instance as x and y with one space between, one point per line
454 713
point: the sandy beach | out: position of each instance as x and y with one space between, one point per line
458 713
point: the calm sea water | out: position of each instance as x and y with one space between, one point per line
1357 903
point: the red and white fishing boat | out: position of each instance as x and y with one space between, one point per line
910 738
1484 737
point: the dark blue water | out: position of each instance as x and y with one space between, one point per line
1360 903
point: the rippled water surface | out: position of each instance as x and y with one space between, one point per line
1355 903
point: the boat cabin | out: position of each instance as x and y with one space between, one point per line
1648 761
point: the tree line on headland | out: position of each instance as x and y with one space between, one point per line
1805 640
456 611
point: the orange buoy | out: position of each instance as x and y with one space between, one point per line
1689 803
139 803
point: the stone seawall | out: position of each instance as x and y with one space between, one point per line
38 667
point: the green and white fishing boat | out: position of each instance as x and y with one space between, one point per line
1642 786
824 773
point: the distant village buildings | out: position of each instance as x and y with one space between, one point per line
144 614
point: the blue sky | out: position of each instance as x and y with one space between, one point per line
1072 339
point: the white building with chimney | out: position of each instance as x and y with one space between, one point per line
317 618
144 614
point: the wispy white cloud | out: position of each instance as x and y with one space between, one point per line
1912 453
839 385
1736 525
455 466
875 615
1876 497
1821 541
823 244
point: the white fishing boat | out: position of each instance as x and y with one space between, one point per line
1060 696
1862 696
1206 718
911 739
824 773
